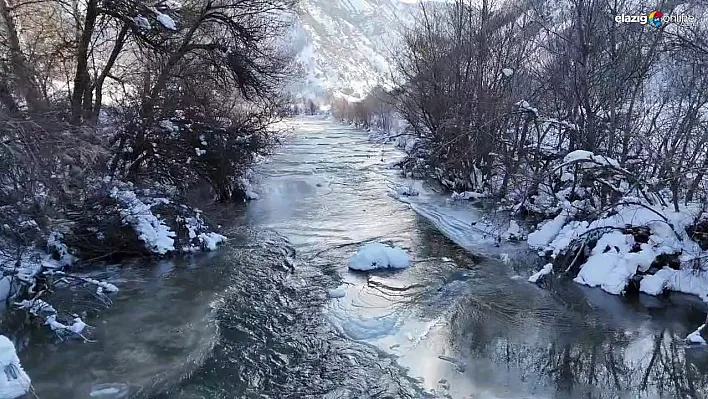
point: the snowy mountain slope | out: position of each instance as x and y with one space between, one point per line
345 46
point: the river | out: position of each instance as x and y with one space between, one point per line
254 319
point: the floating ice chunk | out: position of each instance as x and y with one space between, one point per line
547 269
339 292
507 72
379 256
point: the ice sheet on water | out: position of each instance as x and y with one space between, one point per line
110 391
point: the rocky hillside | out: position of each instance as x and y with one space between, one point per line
346 45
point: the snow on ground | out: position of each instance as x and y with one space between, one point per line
14 382
582 155
54 242
156 235
211 240
547 232
614 260
379 256
467 195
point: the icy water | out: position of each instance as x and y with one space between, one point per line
254 320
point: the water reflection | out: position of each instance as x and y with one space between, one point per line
574 342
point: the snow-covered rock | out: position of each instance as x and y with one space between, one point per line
616 257
379 256
514 231
547 269
695 337
14 382
211 240
406 191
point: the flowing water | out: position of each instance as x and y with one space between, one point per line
254 320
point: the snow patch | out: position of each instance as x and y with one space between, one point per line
54 242
548 231
166 21
582 155
466 195
156 235
695 337
211 240
406 191
14 382
547 269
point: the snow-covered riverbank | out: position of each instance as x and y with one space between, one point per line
637 242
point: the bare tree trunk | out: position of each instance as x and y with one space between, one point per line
98 86
24 78
6 98
82 79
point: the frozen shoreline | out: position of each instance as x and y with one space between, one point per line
498 237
